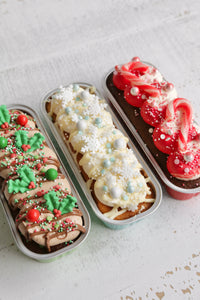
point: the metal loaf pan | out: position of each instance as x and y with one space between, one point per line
114 224
123 109
86 218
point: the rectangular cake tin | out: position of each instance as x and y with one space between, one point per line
16 234
173 190
114 224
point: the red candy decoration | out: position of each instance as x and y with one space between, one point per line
57 187
45 159
57 212
174 131
31 185
123 75
68 220
22 120
26 147
5 125
33 215
39 166
40 193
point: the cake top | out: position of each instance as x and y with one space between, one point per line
34 186
84 116
175 132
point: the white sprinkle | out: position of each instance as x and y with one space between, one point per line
189 157
186 170
176 161
170 132
150 130
134 91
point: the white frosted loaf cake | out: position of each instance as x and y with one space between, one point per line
117 181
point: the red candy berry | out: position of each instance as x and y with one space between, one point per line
68 220
40 194
45 159
22 120
33 215
5 125
31 185
57 187
39 166
57 212
26 147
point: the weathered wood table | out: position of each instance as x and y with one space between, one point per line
44 44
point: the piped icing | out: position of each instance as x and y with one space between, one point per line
100 149
35 189
175 132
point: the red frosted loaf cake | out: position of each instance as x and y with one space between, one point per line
163 121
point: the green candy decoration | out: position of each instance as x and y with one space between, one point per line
3 142
4 115
51 174
65 205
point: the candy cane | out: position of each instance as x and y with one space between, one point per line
136 80
186 119
135 66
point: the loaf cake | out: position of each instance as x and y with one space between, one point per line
115 178
38 194
163 121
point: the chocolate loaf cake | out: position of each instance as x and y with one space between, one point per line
39 195
139 87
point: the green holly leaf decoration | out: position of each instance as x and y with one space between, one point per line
22 185
52 201
4 115
21 138
65 205
22 141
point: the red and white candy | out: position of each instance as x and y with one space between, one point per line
175 130
174 133
129 75
154 108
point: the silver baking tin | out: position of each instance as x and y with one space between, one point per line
16 235
140 141
114 224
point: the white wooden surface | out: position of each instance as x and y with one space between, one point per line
45 43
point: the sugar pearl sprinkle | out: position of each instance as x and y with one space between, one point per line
176 161
134 91
104 149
